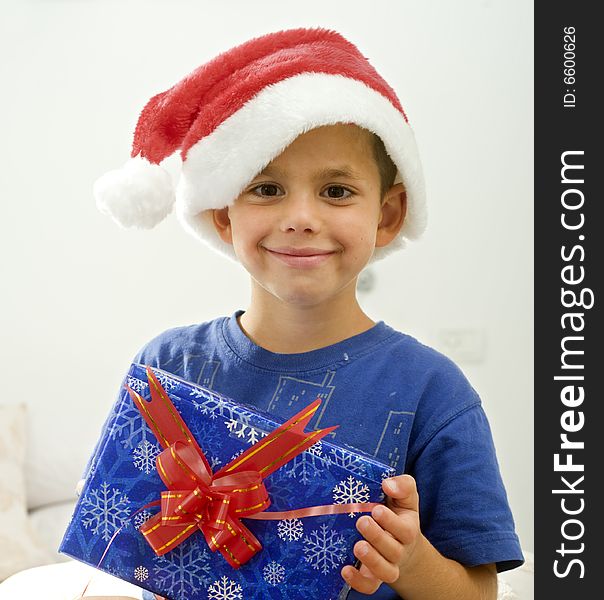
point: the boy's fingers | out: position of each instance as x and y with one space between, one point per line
361 580
402 493
383 541
380 568
386 530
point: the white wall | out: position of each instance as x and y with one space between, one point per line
77 301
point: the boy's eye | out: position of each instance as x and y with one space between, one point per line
266 189
338 192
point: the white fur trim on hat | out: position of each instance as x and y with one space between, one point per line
220 165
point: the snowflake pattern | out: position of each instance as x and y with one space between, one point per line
105 511
347 460
324 549
388 473
183 570
137 385
212 404
224 589
242 430
274 573
129 425
350 491
306 466
141 573
144 456
290 530
141 518
237 454
165 381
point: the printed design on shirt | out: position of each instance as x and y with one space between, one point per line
350 491
292 394
179 366
274 573
324 549
392 431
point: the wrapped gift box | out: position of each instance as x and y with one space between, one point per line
301 558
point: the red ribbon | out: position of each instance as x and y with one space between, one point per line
196 498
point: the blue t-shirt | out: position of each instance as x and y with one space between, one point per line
393 398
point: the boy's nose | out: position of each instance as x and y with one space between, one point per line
301 212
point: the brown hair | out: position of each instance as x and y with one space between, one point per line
386 167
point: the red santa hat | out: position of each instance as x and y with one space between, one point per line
231 116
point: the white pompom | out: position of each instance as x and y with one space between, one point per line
140 194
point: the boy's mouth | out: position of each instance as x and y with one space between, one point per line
300 257
299 251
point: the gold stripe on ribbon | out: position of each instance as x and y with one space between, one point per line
176 537
309 437
161 468
183 467
272 439
238 510
252 548
225 549
250 489
152 529
231 555
233 532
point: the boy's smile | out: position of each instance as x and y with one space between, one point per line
301 258
307 225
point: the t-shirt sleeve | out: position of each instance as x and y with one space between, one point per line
464 510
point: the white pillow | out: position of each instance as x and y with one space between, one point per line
19 546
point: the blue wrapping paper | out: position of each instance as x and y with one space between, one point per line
300 558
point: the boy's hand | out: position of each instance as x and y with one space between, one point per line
393 537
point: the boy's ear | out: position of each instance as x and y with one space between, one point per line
222 224
393 211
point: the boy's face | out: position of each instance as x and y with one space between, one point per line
306 225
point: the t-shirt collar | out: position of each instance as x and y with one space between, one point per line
341 352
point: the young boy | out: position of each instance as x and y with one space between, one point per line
299 163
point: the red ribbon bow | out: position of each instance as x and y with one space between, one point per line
196 498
